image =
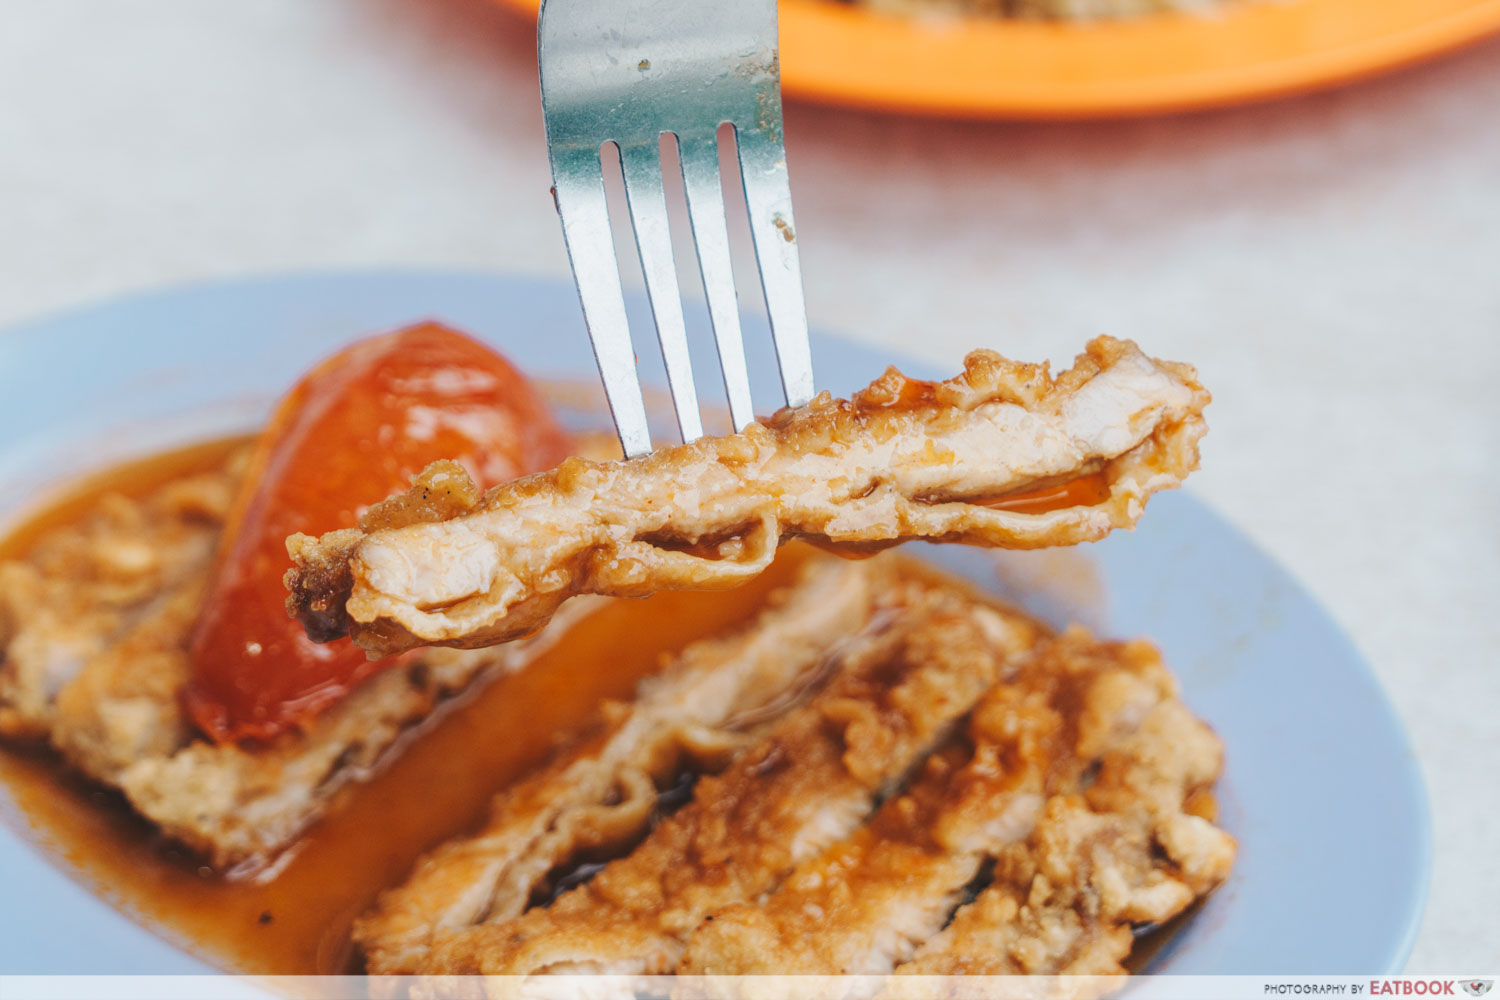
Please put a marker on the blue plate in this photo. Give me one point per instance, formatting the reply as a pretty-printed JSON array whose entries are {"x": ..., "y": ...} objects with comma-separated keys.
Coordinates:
[{"x": 1321, "y": 786}]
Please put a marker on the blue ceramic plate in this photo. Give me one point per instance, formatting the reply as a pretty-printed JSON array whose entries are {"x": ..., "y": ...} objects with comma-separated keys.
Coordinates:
[{"x": 1321, "y": 787}]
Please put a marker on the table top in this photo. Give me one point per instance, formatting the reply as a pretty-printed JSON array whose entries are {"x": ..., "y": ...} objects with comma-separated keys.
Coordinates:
[{"x": 1331, "y": 264}]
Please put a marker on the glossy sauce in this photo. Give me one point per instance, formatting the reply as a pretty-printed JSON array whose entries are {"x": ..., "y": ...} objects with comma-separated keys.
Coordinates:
[
  {"x": 1085, "y": 491},
  {"x": 439, "y": 785}
]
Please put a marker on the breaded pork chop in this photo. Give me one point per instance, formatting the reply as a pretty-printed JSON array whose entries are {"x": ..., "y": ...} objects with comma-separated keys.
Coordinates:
[
  {"x": 807, "y": 784},
  {"x": 1069, "y": 809},
  {"x": 901, "y": 460},
  {"x": 603, "y": 793}
]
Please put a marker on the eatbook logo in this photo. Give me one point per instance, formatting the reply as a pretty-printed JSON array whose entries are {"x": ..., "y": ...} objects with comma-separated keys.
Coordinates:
[{"x": 1477, "y": 987}]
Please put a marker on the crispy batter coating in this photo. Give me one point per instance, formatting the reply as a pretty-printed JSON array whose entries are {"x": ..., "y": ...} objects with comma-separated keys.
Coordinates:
[
  {"x": 902, "y": 459},
  {"x": 867, "y": 904},
  {"x": 602, "y": 793},
  {"x": 1110, "y": 852},
  {"x": 1064, "y": 814},
  {"x": 808, "y": 784}
]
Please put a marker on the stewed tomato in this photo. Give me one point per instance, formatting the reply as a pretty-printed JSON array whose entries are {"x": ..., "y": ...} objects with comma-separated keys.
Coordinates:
[{"x": 354, "y": 430}]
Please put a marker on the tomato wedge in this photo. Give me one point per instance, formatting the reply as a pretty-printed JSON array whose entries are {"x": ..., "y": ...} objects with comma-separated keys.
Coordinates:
[{"x": 355, "y": 429}]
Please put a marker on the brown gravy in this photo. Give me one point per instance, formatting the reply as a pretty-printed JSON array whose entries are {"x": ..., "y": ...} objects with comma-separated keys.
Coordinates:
[{"x": 439, "y": 786}]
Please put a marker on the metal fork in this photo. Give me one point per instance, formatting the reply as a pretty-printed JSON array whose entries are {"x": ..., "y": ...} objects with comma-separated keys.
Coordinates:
[{"x": 621, "y": 74}]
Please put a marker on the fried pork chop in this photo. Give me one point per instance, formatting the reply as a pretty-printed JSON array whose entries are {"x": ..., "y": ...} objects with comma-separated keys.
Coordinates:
[
  {"x": 808, "y": 783},
  {"x": 902, "y": 459},
  {"x": 1121, "y": 852},
  {"x": 602, "y": 794},
  {"x": 1078, "y": 862},
  {"x": 1068, "y": 809},
  {"x": 869, "y": 902}
]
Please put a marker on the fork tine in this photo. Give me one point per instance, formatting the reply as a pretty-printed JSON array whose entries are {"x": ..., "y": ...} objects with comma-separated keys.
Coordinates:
[
  {"x": 699, "y": 156},
  {"x": 653, "y": 240},
  {"x": 630, "y": 71},
  {"x": 579, "y": 190},
  {"x": 768, "y": 197}
]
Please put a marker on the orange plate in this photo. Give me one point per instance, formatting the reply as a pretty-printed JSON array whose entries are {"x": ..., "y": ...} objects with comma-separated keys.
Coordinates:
[{"x": 1249, "y": 50}]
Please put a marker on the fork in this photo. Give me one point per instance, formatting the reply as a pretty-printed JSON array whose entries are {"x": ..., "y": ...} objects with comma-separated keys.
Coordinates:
[{"x": 617, "y": 76}]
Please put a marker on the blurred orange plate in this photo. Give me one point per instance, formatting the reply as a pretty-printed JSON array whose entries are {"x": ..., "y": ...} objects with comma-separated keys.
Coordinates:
[{"x": 1247, "y": 50}]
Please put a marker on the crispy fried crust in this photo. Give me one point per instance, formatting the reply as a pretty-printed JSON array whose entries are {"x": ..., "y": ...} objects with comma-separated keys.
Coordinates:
[
  {"x": 602, "y": 793},
  {"x": 1066, "y": 812},
  {"x": 808, "y": 784},
  {"x": 1107, "y": 855},
  {"x": 869, "y": 903},
  {"x": 866, "y": 903},
  {"x": 901, "y": 460}
]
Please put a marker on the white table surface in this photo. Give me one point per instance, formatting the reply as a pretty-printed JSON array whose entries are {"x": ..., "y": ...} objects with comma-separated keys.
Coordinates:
[{"x": 1332, "y": 264}]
